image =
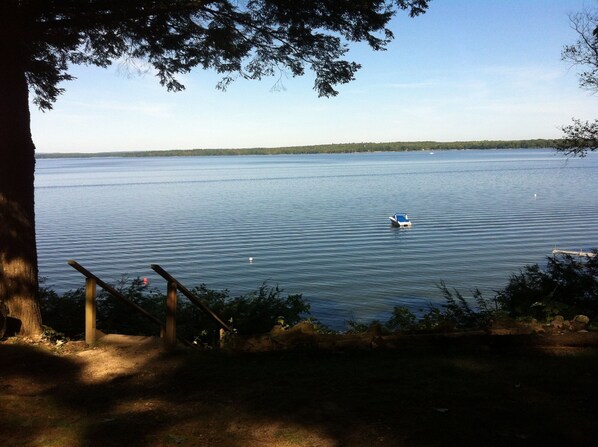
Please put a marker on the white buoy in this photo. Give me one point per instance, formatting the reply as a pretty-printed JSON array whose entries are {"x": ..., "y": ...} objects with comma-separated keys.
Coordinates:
[{"x": 250, "y": 259}]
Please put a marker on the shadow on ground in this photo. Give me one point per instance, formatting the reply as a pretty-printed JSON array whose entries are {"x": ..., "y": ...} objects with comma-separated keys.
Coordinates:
[{"x": 456, "y": 395}]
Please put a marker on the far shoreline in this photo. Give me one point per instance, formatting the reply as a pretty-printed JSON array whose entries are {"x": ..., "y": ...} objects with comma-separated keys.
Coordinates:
[{"x": 343, "y": 148}]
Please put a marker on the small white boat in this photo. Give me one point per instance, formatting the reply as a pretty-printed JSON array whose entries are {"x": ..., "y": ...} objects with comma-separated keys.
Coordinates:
[{"x": 400, "y": 220}]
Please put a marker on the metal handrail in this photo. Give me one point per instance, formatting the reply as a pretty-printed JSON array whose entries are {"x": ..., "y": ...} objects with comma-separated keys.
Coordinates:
[{"x": 198, "y": 302}]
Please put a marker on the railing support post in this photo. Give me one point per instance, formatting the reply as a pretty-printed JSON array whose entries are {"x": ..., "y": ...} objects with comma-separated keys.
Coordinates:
[
  {"x": 170, "y": 331},
  {"x": 221, "y": 336},
  {"x": 90, "y": 311}
]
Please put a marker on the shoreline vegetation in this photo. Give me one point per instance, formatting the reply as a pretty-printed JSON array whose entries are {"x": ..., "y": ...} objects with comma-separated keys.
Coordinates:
[
  {"x": 562, "y": 295},
  {"x": 343, "y": 148}
]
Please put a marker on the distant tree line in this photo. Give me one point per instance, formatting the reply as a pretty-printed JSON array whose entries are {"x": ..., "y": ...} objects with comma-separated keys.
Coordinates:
[{"x": 327, "y": 149}]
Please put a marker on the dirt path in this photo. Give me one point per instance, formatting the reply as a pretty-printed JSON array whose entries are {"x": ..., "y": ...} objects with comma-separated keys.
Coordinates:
[
  {"x": 127, "y": 392},
  {"x": 122, "y": 355}
]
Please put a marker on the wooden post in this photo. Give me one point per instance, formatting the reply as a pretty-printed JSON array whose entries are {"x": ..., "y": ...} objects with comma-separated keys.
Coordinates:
[
  {"x": 170, "y": 331},
  {"x": 221, "y": 334},
  {"x": 90, "y": 311}
]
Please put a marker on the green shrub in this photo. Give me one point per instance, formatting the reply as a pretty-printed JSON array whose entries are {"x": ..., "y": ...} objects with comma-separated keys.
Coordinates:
[
  {"x": 476, "y": 313},
  {"x": 258, "y": 311},
  {"x": 65, "y": 313},
  {"x": 566, "y": 287},
  {"x": 402, "y": 319},
  {"x": 116, "y": 317},
  {"x": 253, "y": 313},
  {"x": 357, "y": 327}
]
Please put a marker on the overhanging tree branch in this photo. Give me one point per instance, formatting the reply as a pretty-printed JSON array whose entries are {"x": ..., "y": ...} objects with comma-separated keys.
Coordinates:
[
  {"x": 41, "y": 39},
  {"x": 582, "y": 136}
]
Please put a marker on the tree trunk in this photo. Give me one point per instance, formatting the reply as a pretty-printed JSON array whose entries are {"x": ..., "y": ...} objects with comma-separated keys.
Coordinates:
[{"x": 18, "y": 252}]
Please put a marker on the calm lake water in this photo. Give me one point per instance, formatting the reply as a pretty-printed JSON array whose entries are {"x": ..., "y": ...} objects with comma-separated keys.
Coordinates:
[{"x": 317, "y": 224}]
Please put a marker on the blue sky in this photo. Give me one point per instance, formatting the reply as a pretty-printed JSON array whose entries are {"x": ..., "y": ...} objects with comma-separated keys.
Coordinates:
[{"x": 466, "y": 70}]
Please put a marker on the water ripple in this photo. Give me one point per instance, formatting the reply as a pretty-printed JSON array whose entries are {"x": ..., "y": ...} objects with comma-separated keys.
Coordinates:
[{"x": 317, "y": 226}]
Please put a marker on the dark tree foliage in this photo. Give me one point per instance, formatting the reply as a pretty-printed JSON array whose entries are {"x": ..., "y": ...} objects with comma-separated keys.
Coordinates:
[
  {"x": 581, "y": 137},
  {"x": 584, "y": 52},
  {"x": 251, "y": 39},
  {"x": 41, "y": 39}
]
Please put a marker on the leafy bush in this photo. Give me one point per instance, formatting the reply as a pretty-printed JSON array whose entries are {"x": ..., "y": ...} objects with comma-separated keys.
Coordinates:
[
  {"x": 566, "y": 287},
  {"x": 358, "y": 327},
  {"x": 65, "y": 313},
  {"x": 115, "y": 316},
  {"x": 464, "y": 315},
  {"x": 253, "y": 313},
  {"x": 457, "y": 312},
  {"x": 258, "y": 311},
  {"x": 402, "y": 319}
]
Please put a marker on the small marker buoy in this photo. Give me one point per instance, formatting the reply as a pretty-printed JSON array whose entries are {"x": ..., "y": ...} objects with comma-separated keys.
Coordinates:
[
  {"x": 145, "y": 281},
  {"x": 250, "y": 259}
]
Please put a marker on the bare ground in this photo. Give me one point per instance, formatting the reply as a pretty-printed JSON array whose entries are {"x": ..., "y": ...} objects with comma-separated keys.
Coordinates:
[{"x": 128, "y": 392}]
